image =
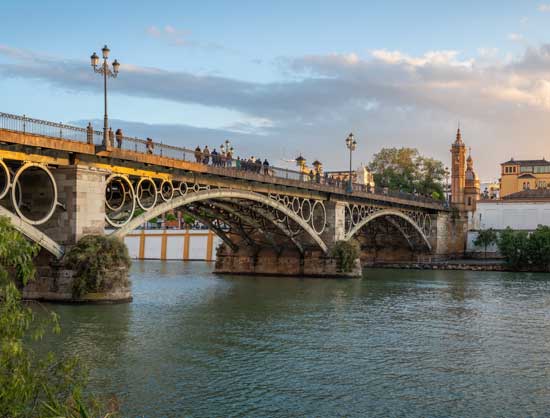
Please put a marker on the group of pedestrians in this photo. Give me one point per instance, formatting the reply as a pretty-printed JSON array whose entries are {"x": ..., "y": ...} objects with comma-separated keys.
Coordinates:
[
  {"x": 225, "y": 159},
  {"x": 219, "y": 159}
]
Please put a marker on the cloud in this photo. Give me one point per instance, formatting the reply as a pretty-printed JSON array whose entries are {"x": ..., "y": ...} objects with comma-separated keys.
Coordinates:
[
  {"x": 181, "y": 37},
  {"x": 388, "y": 98},
  {"x": 524, "y": 20},
  {"x": 153, "y": 31},
  {"x": 544, "y": 8},
  {"x": 515, "y": 37}
]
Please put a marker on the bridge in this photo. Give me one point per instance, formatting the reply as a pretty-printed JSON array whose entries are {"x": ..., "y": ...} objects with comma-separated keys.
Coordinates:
[{"x": 60, "y": 182}]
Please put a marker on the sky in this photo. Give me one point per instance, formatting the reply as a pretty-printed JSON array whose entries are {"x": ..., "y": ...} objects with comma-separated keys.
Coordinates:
[{"x": 283, "y": 78}]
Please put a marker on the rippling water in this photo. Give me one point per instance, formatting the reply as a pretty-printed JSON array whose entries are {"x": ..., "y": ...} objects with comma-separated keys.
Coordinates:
[{"x": 398, "y": 342}]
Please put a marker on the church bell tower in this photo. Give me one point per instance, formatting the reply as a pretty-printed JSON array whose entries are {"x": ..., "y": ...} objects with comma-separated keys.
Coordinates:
[{"x": 458, "y": 172}]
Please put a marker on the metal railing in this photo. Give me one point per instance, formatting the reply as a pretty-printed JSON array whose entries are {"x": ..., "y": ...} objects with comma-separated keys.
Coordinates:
[
  {"x": 228, "y": 166},
  {"x": 45, "y": 128}
]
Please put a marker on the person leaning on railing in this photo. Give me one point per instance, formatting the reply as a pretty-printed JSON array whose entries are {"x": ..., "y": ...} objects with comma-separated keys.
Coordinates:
[
  {"x": 198, "y": 154},
  {"x": 150, "y": 146},
  {"x": 89, "y": 133},
  {"x": 118, "y": 136},
  {"x": 206, "y": 155}
]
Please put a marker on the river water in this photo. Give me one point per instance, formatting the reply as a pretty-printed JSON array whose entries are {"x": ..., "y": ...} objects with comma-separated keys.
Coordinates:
[{"x": 396, "y": 343}]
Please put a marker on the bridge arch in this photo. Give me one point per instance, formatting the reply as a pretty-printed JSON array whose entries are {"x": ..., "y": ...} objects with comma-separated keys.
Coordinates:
[
  {"x": 226, "y": 194},
  {"x": 389, "y": 212},
  {"x": 33, "y": 233}
]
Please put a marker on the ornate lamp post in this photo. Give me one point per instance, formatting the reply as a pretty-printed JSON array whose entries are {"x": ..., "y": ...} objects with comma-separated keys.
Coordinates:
[
  {"x": 351, "y": 144},
  {"x": 447, "y": 173},
  {"x": 106, "y": 72}
]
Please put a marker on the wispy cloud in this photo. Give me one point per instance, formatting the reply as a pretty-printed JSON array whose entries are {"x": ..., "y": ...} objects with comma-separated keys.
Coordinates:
[
  {"x": 524, "y": 20},
  {"x": 179, "y": 37},
  {"x": 544, "y": 7},
  {"x": 515, "y": 37}
]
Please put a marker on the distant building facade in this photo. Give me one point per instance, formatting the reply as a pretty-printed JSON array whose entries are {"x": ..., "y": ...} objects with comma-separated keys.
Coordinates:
[{"x": 519, "y": 175}]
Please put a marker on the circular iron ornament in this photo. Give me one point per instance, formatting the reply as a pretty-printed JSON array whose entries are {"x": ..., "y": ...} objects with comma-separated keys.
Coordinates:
[
  {"x": 280, "y": 216},
  {"x": 166, "y": 190},
  {"x": 355, "y": 215},
  {"x": 427, "y": 225},
  {"x": 126, "y": 194},
  {"x": 196, "y": 187},
  {"x": 347, "y": 219},
  {"x": 363, "y": 212},
  {"x": 7, "y": 178},
  {"x": 183, "y": 188},
  {"x": 116, "y": 191},
  {"x": 296, "y": 206},
  {"x": 319, "y": 216},
  {"x": 305, "y": 210},
  {"x": 16, "y": 200},
  {"x": 286, "y": 201},
  {"x": 146, "y": 188}
]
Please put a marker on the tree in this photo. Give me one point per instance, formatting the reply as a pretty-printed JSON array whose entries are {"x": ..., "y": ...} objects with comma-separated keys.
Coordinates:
[
  {"x": 485, "y": 238},
  {"x": 32, "y": 386},
  {"x": 513, "y": 246},
  {"x": 406, "y": 170},
  {"x": 346, "y": 253},
  {"x": 538, "y": 248}
]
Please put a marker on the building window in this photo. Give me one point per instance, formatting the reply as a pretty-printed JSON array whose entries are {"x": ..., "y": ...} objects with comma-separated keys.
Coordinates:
[
  {"x": 526, "y": 169},
  {"x": 469, "y": 201}
]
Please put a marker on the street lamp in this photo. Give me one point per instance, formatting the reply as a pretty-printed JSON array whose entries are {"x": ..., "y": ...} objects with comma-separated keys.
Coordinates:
[
  {"x": 447, "y": 184},
  {"x": 351, "y": 143},
  {"x": 106, "y": 72}
]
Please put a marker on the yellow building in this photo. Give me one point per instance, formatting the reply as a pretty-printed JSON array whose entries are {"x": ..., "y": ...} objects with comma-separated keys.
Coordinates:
[{"x": 518, "y": 175}]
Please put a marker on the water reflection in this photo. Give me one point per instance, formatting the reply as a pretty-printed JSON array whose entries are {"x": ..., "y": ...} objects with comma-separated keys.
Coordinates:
[{"x": 415, "y": 343}]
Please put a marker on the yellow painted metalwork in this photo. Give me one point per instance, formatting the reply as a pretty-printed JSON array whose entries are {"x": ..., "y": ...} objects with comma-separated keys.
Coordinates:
[
  {"x": 33, "y": 158},
  {"x": 119, "y": 169}
]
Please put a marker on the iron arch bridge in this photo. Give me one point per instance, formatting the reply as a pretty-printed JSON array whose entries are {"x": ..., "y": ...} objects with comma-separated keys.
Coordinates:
[{"x": 57, "y": 188}]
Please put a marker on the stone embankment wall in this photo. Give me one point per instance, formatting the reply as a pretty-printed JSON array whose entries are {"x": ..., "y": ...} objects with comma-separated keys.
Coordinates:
[
  {"x": 287, "y": 263},
  {"x": 454, "y": 265}
]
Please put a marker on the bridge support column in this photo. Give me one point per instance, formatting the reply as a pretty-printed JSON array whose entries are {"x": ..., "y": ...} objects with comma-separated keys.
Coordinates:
[
  {"x": 312, "y": 262},
  {"x": 81, "y": 192},
  {"x": 81, "y": 195}
]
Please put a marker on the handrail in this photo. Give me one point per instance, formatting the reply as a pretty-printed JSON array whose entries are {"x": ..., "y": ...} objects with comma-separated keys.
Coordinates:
[{"x": 63, "y": 131}]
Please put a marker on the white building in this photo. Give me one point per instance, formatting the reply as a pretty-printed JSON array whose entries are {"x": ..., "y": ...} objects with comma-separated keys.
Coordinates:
[{"x": 524, "y": 210}]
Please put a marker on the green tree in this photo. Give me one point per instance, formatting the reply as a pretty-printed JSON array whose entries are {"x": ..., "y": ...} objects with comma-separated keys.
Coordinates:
[
  {"x": 346, "y": 253},
  {"x": 539, "y": 248},
  {"x": 485, "y": 238},
  {"x": 91, "y": 271},
  {"x": 31, "y": 385},
  {"x": 406, "y": 170},
  {"x": 514, "y": 247},
  {"x": 188, "y": 219}
]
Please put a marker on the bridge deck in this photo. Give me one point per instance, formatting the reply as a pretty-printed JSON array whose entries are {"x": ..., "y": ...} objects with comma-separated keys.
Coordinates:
[{"x": 19, "y": 134}]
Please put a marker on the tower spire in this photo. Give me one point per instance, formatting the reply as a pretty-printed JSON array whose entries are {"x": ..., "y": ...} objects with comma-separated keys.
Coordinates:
[{"x": 458, "y": 135}]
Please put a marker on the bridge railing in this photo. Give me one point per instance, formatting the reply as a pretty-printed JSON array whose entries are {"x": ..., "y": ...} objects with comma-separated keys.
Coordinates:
[
  {"x": 40, "y": 127},
  {"x": 231, "y": 166}
]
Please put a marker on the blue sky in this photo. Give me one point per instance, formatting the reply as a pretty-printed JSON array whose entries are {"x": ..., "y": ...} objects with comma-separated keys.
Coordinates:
[{"x": 285, "y": 77}]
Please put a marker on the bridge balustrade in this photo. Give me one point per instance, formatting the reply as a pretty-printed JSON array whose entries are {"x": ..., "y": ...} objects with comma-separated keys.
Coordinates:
[{"x": 55, "y": 130}]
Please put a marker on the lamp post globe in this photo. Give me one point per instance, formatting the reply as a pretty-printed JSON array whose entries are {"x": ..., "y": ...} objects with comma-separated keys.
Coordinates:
[
  {"x": 106, "y": 72},
  {"x": 351, "y": 144}
]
